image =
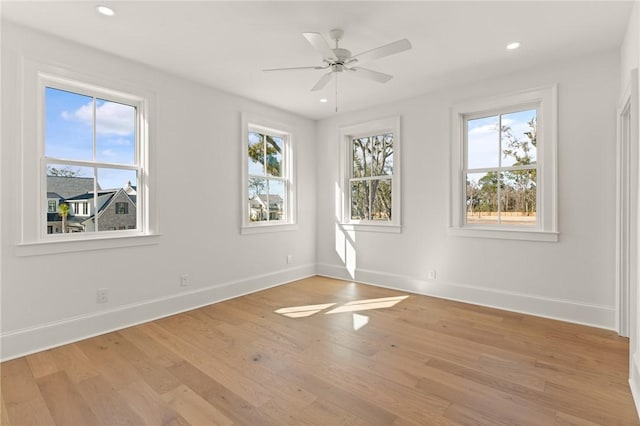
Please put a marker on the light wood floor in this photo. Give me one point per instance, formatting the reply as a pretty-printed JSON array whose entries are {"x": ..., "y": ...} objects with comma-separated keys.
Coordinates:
[{"x": 271, "y": 358}]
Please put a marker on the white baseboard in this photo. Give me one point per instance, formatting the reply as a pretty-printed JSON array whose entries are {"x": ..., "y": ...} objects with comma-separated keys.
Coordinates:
[
  {"x": 22, "y": 342},
  {"x": 565, "y": 310}
]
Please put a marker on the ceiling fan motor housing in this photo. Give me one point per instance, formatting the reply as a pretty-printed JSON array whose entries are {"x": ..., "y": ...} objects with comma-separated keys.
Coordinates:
[{"x": 343, "y": 55}]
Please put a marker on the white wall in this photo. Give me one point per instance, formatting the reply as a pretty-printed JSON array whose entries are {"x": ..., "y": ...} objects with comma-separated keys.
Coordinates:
[
  {"x": 571, "y": 280},
  {"x": 197, "y": 148}
]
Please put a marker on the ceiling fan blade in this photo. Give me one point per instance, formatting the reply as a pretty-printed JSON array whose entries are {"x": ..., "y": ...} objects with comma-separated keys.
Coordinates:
[
  {"x": 372, "y": 75},
  {"x": 324, "y": 80},
  {"x": 381, "y": 52},
  {"x": 320, "y": 44},
  {"x": 297, "y": 68}
]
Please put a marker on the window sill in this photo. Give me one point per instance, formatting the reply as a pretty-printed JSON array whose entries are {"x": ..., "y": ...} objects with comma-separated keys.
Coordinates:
[
  {"x": 264, "y": 228},
  {"x": 366, "y": 227},
  {"x": 505, "y": 234},
  {"x": 96, "y": 243}
]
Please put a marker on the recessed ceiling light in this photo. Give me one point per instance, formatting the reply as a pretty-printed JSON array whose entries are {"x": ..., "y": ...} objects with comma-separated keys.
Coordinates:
[
  {"x": 106, "y": 11},
  {"x": 512, "y": 46},
  {"x": 324, "y": 100}
]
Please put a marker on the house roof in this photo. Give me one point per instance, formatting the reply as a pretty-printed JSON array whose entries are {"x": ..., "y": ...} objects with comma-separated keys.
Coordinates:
[
  {"x": 69, "y": 186},
  {"x": 89, "y": 195},
  {"x": 53, "y": 195},
  {"x": 273, "y": 198}
]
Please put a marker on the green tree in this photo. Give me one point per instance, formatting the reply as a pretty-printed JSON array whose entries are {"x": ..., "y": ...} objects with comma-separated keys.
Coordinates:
[
  {"x": 273, "y": 149},
  {"x": 521, "y": 189},
  {"x": 65, "y": 171}
]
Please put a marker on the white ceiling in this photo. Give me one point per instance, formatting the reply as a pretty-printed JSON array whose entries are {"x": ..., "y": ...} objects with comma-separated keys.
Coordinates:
[{"x": 227, "y": 44}]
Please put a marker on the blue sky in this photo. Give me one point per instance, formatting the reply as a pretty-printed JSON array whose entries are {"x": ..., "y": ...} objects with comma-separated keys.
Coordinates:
[
  {"x": 484, "y": 146},
  {"x": 69, "y": 134}
]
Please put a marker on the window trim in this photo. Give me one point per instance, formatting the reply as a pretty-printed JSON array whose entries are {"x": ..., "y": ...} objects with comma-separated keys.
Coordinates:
[
  {"x": 545, "y": 99},
  {"x": 370, "y": 128},
  {"x": 253, "y": 122},
  {"x": 29, "y": 238}
]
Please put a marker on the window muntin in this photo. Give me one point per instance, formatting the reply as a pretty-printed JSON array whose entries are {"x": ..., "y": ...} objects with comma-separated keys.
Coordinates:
[
  {"x": 501, "y": 169},
  {"x": 92, "y": 146},
  {"x": 371, "y": 177},
  {"x": 268, "y": 182}
]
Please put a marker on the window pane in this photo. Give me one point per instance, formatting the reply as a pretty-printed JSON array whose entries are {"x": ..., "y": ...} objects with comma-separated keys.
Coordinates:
[
  {"x": 276, "y": 200},
  {"x": 519, "y": 138},
  {"x": 483, "y": 142},
  {"x": 257, "y": 191},
  {"x": 360, "y": 200},
  {"x": 117, "y": 199},
  {"x": 482, "y": 198},
  {"x": 256, "y": 153},
  {"x": 361, "y": 157},
  {"x": 274, "y": 145},
  {"x": 381, "y": 199},
  {"x": 68, "y": 191},
  {"x": 115, "y": 132},
  {"x": 68, "y": 125},
  {"x": 518, "y": 198},
  {"x": 382, "y": 155}
]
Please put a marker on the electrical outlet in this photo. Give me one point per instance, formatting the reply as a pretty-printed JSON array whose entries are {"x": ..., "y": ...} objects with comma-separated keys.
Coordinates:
[
  {"x": 289, "y": 259},
  {"x": 431, "y": 274},
  {"x": 184, "y": 280},
  {"x": 103, "y": 295}
]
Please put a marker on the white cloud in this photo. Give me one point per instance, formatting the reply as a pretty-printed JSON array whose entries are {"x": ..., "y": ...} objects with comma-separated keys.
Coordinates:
[
  {"x": 109, "y": 153},
  {"x": 111, "y": 118}
]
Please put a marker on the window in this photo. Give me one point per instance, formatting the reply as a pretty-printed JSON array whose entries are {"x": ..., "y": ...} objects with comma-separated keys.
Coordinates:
[
  {"x": 52, "y": 207},
  {"x": 504, "y": 167},
  {"x": 268, "y": 182},
  {"x": 372, "y": 178},
  {"x": 122, "y": 208},
  {"x": 92, "y": 150}
]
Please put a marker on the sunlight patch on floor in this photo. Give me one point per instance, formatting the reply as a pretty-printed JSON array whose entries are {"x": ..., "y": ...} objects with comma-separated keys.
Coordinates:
[
  {"x": 359, "y": 321},
  {"x": 303, "y": 311}
]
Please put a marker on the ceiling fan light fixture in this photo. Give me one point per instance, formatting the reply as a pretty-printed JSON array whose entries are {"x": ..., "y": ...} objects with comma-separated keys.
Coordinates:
[{"x": 513, "y": 46}]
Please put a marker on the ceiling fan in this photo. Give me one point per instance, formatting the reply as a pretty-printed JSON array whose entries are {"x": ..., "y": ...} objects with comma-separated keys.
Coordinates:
[{"x": 338, "y": 60}]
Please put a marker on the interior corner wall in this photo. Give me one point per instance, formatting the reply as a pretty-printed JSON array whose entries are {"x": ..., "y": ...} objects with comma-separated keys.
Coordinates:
[
  {"x": 571, "y": 280},
  {"x": 48, "y": 300}
]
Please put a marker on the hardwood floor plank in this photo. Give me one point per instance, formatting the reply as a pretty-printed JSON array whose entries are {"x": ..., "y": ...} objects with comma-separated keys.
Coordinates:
[
  {"x": 42, "y": 364},
  {"x": 21, "y": 396},
  {"x": 193, "y": 408},
  {"x": 66, "y": 404},
  {"x": 108, "y": 406},
  {"x": 321, "y": 351},
  {"x": 149, "y": 406},
  {"x": 222, "y": 398}
]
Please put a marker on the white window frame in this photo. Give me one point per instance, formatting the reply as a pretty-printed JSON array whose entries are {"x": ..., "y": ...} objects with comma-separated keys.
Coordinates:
[
  {"x": 545, "y": 101},
  {"x": 32, "y": 238},
  {"x": 371, "y": 128},
  {"x": 256, "y": 123}
]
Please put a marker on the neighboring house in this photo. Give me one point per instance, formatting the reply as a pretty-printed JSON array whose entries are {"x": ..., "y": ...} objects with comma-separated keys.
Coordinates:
[
  {"x": 114, "y": 208},
  {"x": 116, "y": 211},
  {"x": 258, "y": 207}
]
